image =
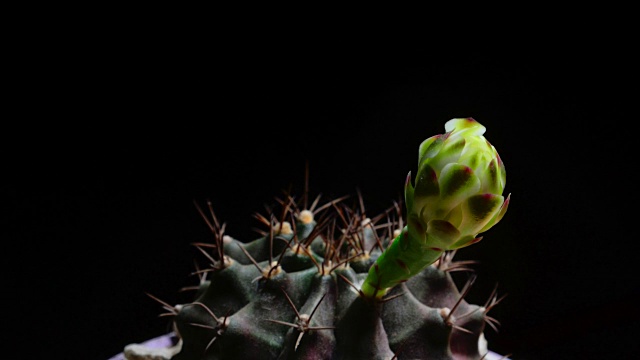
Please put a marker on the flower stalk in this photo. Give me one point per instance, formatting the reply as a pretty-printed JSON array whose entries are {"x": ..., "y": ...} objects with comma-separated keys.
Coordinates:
[{"x": 457, "y": 196}]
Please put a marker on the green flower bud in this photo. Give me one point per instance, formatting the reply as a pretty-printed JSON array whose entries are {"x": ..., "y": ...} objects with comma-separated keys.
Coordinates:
[
  {"x": 457, "y": 195},
  {"x": 458, "y": 189}
]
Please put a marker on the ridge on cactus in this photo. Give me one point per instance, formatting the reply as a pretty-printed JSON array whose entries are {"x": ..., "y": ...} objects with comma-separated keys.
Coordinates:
[{"x": 326, "y": 281}]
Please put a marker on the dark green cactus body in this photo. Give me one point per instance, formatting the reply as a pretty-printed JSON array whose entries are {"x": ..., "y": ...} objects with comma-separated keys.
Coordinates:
[{"x": 298, "y": 303}]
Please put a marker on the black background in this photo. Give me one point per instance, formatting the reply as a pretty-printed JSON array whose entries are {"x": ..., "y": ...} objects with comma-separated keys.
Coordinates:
[{"x": 100, "y": 189}]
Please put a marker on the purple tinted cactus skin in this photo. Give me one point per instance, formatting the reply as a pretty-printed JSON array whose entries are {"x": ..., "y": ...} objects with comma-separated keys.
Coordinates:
[{"x": 316, "y": 284}]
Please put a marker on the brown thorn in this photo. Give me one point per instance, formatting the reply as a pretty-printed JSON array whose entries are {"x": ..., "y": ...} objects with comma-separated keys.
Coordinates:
[
  {"x": 282, "y": 323},
  {"x": 504, "y": 357},
  {"x": 494, "y": 327},
  {"x": 205, "y": 254},
  {"x": 343, "y": 238},
  {"x": 460, "y": 328},
  {"x": 491, "y": 297},
  {"x": 378, "y": 241},
  {"x": 352, "y": 285},
  {"x": 260, "y": 231},
  {"x": 340, "y": 213},
  {"x": 378, "y": 217},
  {"x": 294, "y": 206},
  {"x": 207, "y": 245},
  {"x": 343, "y": 262},
  {"x": 458, "y": 317},
  {"x": 316, "y": 307},
  {"x": 331, "y": 203},
  {"x": 464, "y": 293},
  {"x": 294, "y": 227},
  {"x": 203, "y": 275},
  {"x": 321, "y": 327},
  {"x": 280, "y": 201},
  {"x": 203, "y": 326},
  {"x": 305, "y": 196},
  {"x": 290, "y": 302},
  {"x": 261, "y": 218},
  {"x": 393, "y": 297},
  {"x": 361, "y": 201},
  {"x": 206, "y": 309},
  {"x": 213, "y": 215},
  {"x": 460, "y": 268},
  {"x": 206, "y": 220},
  {"x": 321, "y": 225},
  {"x": 330, "y": 250},
  {"x": 189, "y": 288},
  {"x": 271, "y": 239},
  {"x": 250, "y": 257},
  {"x": 284, "y": 250},
  {"x": 311, "y": 257},
  {"x": 395, "y": 354},
  {"x": 285, "y": 210},
  {"x": 315, "y": 203},
  {"x": 166, "y": 305},
  {"x": 200, "y": 272},
  {"x": 492, "y": 320},
  {"x": 210, "y": 342},
  {"x": 220, "y": 240},
  {"x": 495, "y": 302}
]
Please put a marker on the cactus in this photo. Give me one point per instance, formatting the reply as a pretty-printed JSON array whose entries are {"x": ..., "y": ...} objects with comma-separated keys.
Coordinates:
[{"x": 328, "y": 282}]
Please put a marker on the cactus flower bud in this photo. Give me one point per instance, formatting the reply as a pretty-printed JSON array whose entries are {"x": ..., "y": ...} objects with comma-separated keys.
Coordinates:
[{"x": 457, "y": 195}]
